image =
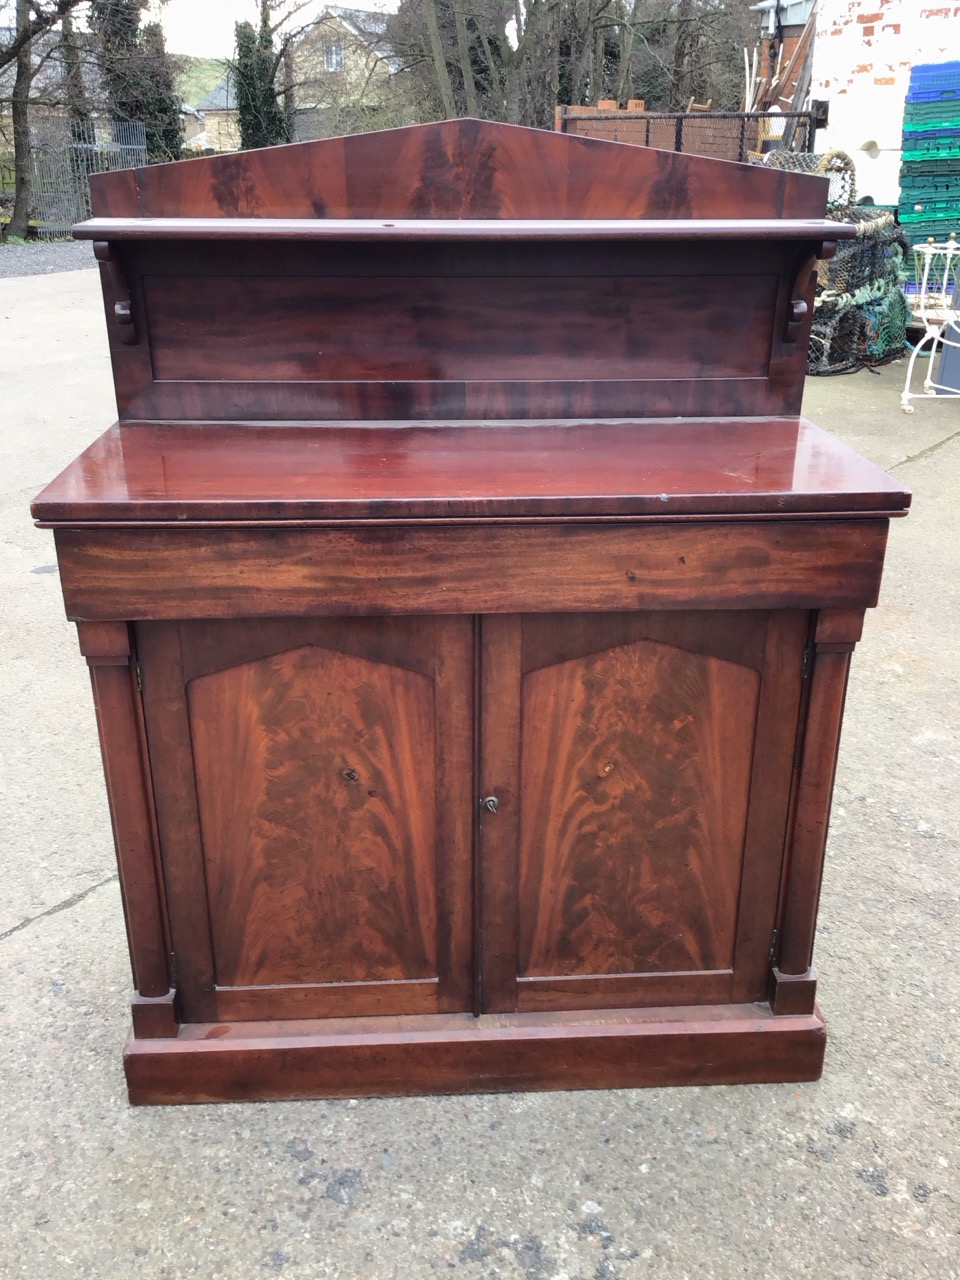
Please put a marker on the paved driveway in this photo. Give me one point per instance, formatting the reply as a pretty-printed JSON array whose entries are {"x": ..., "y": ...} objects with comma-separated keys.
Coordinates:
[{"x": 854, "y": 1176}]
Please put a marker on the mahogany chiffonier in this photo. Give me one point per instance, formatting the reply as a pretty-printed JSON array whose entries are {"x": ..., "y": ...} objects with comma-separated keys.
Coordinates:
[{"x": 469, "y": 612}]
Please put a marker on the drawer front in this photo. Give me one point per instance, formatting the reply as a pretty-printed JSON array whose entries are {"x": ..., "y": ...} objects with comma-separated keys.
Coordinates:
[{"x": 258, "y": 571}]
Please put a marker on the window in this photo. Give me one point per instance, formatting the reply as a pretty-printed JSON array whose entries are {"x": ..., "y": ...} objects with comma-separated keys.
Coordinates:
[{"x": 333, "y": 55}]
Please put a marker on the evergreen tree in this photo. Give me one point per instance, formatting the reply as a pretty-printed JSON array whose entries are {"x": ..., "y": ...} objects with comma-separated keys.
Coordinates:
[
  {"x": 161, "y": 102},
  {"x": 138, "y": 73},
  {"x": 263, "y": 122}
]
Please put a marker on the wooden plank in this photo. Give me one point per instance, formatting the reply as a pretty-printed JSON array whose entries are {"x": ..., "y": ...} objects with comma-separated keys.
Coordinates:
[
  {"x": 836, "y": 636},
  {"x": 623, "y": 990},
  {"x": 333, "y": 329},
  {"x": 765, "y": 837},
  {"x": 115, "y": 195},
  {"x": 436, "y": 400},
  {"x": 319, "y": 827}
]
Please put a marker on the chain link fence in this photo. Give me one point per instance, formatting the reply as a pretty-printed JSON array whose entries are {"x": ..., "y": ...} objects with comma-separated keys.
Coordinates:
[{"x": 65, "y": 153}]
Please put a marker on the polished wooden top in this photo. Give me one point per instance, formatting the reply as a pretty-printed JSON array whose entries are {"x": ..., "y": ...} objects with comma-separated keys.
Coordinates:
[{"x": 659, "y": 469}]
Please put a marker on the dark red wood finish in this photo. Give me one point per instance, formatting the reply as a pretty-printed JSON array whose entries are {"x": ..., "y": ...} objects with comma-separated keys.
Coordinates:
[
  {"x": 458, "y": 169},
  {"x": 458, "y": 328},
  {"x": 747, "y": 468},
  {"x": 324, "y": 769},
  {"x": 469, "y": 613},
  {"x": 646, "y": 740},
  {"x": 266, "y": 570},
  {"x": 483, "y": 272},
  {"x": 720, "y": 1044}
]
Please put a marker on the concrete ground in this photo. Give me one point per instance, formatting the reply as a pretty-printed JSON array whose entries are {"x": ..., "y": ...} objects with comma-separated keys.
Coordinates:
[{"x": 857, "y": 1175}]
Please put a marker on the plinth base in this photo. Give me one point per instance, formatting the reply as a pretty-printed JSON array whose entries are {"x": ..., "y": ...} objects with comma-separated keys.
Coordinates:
[{"x": 457, "y": 1053}]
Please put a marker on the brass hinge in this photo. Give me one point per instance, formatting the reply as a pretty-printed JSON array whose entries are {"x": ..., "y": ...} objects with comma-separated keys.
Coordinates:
[
  {"x": 807, "y": 662},
  {"x": 174, "y": 969},
  {"x": 774, "y": 939},
  {"x": 140, "y": 677}
]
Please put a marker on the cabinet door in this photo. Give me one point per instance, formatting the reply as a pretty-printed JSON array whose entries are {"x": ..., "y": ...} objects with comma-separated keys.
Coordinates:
[
  {"x": 642, "y": 765},
  {"x": 314, "y": 793}
]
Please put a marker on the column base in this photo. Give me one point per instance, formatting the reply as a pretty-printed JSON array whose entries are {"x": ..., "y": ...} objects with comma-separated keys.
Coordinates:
[{"x": 793, "y": 993}]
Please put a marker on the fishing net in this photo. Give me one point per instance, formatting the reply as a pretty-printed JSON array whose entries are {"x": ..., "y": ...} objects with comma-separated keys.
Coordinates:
[{"x": 860, "y": 312}]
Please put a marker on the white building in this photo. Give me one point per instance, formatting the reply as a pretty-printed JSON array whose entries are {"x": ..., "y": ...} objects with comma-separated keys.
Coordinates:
[{"x": 861, "y": 64}]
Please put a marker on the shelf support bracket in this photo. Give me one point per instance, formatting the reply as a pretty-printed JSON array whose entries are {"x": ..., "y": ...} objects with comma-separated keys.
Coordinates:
[{"x": 119, "y": 287}]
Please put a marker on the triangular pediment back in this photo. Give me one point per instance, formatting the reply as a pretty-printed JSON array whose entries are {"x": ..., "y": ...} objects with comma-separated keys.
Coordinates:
[{"x": 458, "y": 169}]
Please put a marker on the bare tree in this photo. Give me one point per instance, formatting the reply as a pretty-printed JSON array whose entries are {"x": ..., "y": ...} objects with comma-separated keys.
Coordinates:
[
  {"x": 28, "y": 47},
  {"x": 39, "y": 18},
  {"x": 517, "y": 59},
  {"x": 19, "y": 110}
]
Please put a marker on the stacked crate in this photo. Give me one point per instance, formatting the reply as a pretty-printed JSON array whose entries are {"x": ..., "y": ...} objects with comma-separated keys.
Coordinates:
[{"x": 930, "y": 172}]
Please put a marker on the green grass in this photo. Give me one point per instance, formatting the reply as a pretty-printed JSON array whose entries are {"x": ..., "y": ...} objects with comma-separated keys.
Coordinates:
[{"x": 198, "y": 78}]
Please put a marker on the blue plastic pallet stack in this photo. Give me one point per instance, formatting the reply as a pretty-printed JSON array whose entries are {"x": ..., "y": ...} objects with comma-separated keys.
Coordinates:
[{"x": 930, "y": 170}]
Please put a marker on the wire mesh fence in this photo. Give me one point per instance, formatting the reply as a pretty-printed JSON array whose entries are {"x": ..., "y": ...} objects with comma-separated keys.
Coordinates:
[
  {"x": 65, "y": 153},
  {"x": 725, "y": 135},
  {"x": 8, "y": 175}
]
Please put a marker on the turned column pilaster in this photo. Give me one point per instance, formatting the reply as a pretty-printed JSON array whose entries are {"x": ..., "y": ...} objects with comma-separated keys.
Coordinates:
[
  {"x": 794, "y": 980},
  {"x": 113, "y": 672}
]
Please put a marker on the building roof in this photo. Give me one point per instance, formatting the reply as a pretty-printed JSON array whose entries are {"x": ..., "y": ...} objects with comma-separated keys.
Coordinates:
[
  {"x": 366, "y": 23},
  {"x": 222, "y": 98}
]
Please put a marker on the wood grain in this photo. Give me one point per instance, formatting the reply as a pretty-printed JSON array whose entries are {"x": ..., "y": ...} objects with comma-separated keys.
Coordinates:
[
  {"x": 768, "y": 646},
  {"x": 319, "y": 836},
  {"x": 442, "y": 473},
  {"x": 483, "y": 328},
  {"x": 636, "y": 769},
  {"x": 811, "y": 818},
  {"x": 284, "y": 330},
  {"x": 235, "y": 400},
  {"x": 470, "y": 334},
  {"x": 167, "y": 727},
  {"x": 459, "y": 169},
  {"x": 499, "y": 748},
  {"x": 315, "y": 330},
  {"x": 334, "y": 870},
  {"x": 451, "y": 569}
]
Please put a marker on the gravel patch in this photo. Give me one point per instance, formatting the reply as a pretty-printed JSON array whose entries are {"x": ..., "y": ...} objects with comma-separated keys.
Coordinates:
[{"x": 44, "y": 257}]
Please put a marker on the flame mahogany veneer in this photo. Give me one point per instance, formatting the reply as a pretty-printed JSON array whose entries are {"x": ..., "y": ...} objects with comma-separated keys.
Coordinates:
[{"x": 469, "y": 611}]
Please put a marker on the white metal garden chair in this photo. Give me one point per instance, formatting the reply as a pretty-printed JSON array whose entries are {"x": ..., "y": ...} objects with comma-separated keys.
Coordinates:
[{"x": 937, "y": 307}]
